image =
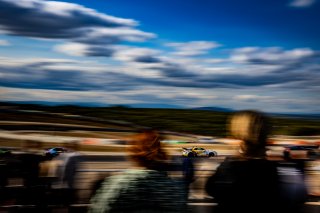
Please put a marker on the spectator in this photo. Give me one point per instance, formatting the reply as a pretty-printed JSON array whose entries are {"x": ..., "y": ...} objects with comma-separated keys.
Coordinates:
[
  {"x": 188, "y": 173},
  {"x": 249, "y": 182},
  {"x": 144, "y": 188},
  {"x": 63, "y": 170},
  {"x": 30, "y": 162}
]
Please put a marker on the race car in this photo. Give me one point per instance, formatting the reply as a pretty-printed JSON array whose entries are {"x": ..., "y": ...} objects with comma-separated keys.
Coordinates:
[
  {"x": 301, "y": 151},
  {"x": 55, "y": 151},
  {"x": 198, "y": 152}
]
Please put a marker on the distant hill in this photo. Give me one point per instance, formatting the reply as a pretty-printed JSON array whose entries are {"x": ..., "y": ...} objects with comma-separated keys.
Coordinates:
[
  {"x": 216, "y": 109},
  {"x": 95, "y": 104},
  {"x": 23, "y": 104},
  {"x": 297, "y": 116},
  {"x": 155, "y": 106},
  {"x": 50, "y": 103}
]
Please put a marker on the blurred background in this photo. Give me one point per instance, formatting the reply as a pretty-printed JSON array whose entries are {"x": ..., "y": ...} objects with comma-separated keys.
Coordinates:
[{"x": 79, "y": 79}]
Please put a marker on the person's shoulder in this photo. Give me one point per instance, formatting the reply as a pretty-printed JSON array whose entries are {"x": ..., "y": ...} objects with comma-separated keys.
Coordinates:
[
  {"x": 232, "y": 160},
  {"x": 120, "y": 180},
  {"x": 136, "y": 175},
  {"x": 238, "y": 162}
]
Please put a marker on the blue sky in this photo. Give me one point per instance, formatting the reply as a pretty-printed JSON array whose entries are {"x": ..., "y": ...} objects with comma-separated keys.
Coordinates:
[{"x": 240, "y": 54}]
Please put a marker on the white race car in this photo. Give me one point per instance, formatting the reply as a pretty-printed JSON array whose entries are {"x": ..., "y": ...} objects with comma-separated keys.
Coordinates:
[{"x": 198, "y": 152}]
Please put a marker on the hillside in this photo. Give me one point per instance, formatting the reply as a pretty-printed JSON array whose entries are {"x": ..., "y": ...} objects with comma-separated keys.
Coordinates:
[{"x": 192, "y": 121}]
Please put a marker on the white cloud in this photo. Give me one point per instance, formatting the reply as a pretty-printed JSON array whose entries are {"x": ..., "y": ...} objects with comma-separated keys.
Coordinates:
[
  {"x": 74, "y": 49},
  {"x": 192, "y": 48},
  {"x": 17, "y": 94},
  {"x": 154, "y": 94},
  {"x": 122, "y": 33},
  {"x": 214, "y": 60},
  {"x": 4, "y": 43},
  {"x": 68, "y": 22},
  {"x": 126, "y": 53},
  {"x": 67, "y": 9},
  {"x": 269, "y": 54},
  {"x": 251, "y": 97},
  {"x": 302, "y": 3},
  {"x": 247, "y": 76},
  {"x": 23, "y": 3},
  {"x": 17, "y": 62},
  {"x": 145, "y": 75}
]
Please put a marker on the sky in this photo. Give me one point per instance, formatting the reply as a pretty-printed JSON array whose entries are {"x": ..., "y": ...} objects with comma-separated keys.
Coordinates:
[{"x": 238, "y": 54}]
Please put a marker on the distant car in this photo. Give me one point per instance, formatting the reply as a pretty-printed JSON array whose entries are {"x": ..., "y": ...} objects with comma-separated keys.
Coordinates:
[
  {"x": 55, "y": 151},
  {"x": 300, "y": 151},
  {"x": 198, "y": 152}
]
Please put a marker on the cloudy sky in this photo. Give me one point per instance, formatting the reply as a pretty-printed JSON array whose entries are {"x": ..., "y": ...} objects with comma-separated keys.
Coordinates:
[{"x": 240, "y": 54}]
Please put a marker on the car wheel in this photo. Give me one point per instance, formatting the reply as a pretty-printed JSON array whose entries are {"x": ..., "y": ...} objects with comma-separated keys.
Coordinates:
[
  {"x": 190, "y": 154},
  {"x": 211, "y": 154}
]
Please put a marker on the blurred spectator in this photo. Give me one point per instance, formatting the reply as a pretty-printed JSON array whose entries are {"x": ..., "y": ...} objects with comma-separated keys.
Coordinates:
[
  {"x": 30, "y": 162},
  {"x": 249, "y": 182},
  {"x": 62, "y": 171},
  {"x": 144, "y": 188},
  {"x": 5, "y": 156},
  {"x": 188, "y": 172}
]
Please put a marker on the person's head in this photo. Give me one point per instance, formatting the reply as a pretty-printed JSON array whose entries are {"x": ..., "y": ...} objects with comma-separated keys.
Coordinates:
[
  {"x": 252, "y": 127},
  {"x": 146, "y": 151}
]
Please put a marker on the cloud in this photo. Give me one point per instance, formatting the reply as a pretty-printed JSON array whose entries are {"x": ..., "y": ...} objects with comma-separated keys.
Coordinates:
[
  {"x": 251, "y": 98},
  {"x": 247, "y": 67},
  {"x": 155, "y": 94},
  {"x": 4, "y": 43},
  {"x": 248, "y": 75},
  {"x": 66, "y": 21},
  {"x": 78, "y": 49},
  {"x": 70, "y": 75},
  {"x": 255, "y": 67},
  {"x": 302, "y": 3},
  {"x": 134, "y": 74},
  {"x": 192, "y": 48},
  {"x": 269, "y": 55},
  {"x": 118, "y": 52},
  {"x": 135, "y": 54},
  {"x": 84, "y": 31},
  {"x": 18, "y": 94},
  {"x": 74, "y": 49}
]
